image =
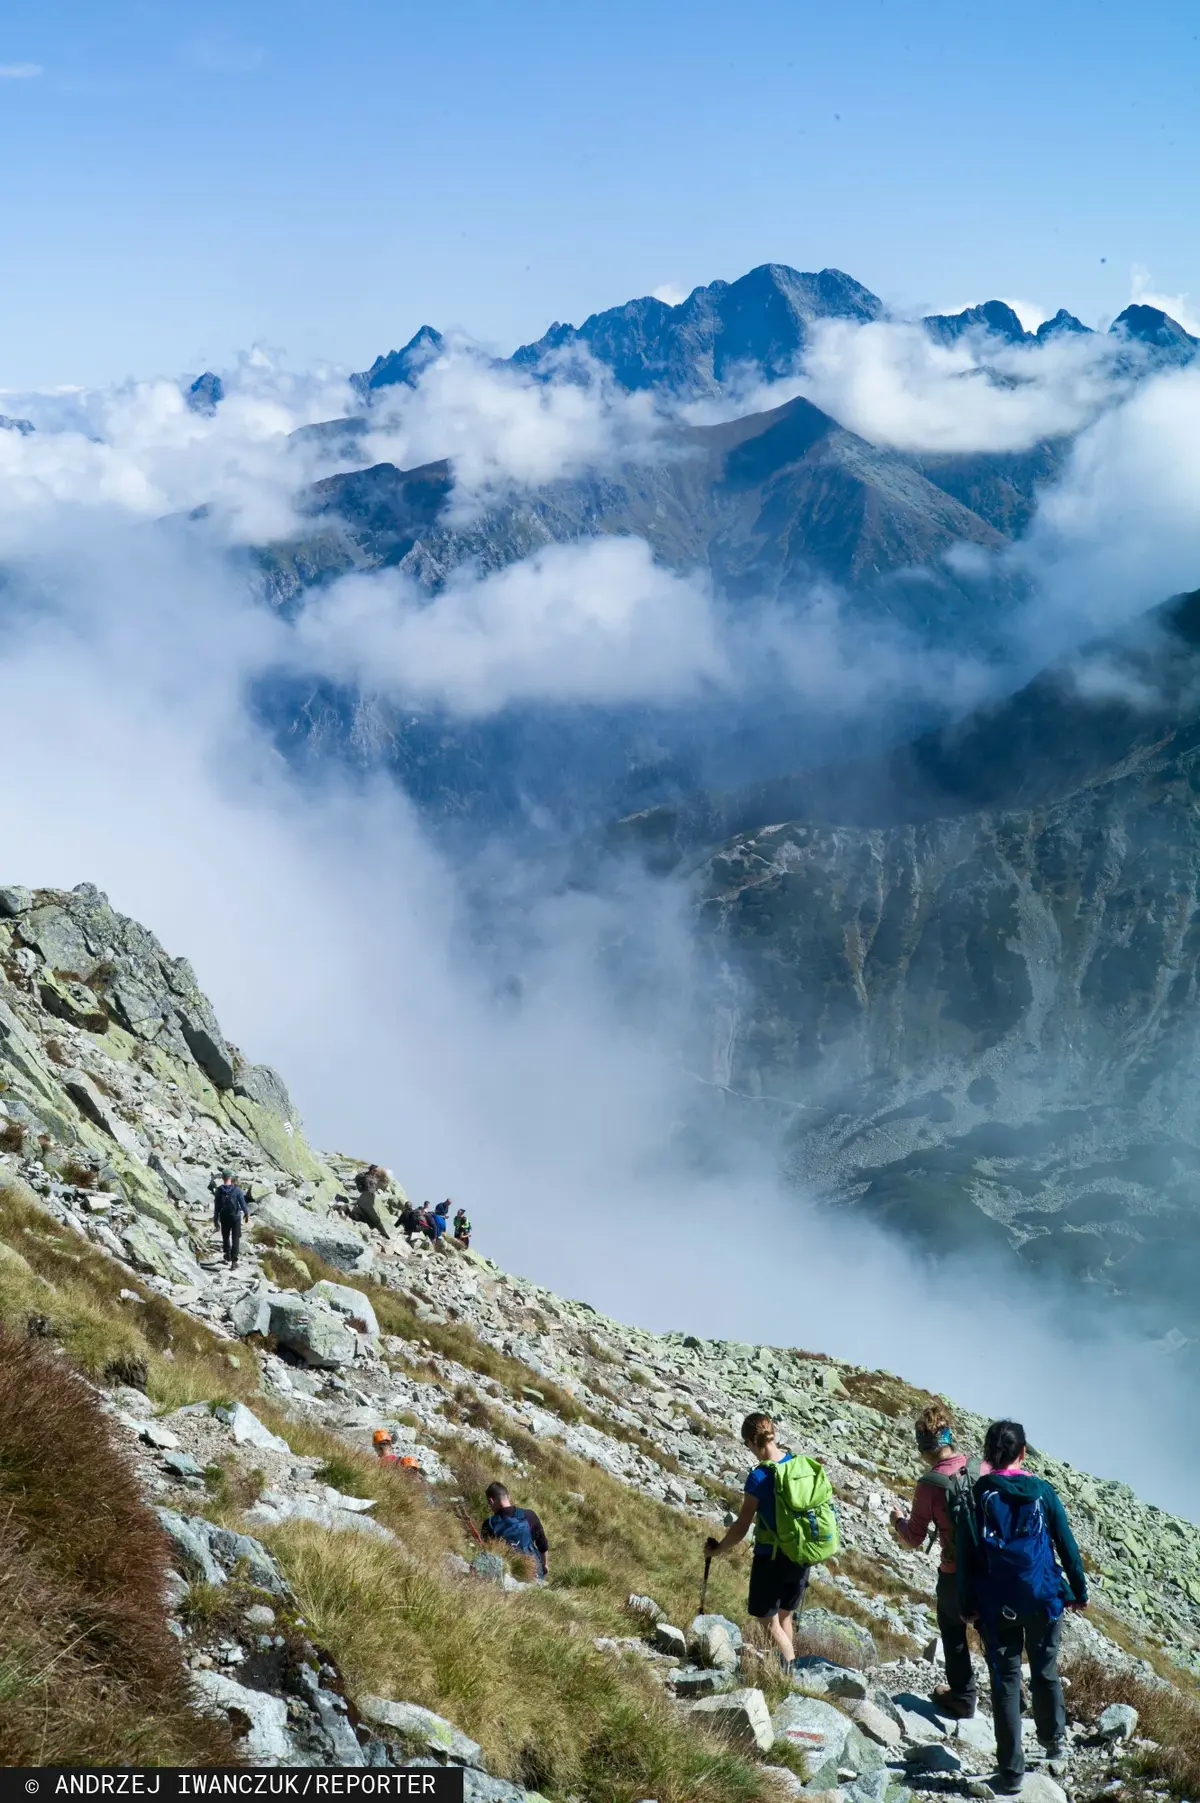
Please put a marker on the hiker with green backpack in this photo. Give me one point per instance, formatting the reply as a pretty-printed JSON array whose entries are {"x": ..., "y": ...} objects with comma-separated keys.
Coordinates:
[
  {"x": 943, "y": 1501},
  {"x": 789, "y": 1501}
]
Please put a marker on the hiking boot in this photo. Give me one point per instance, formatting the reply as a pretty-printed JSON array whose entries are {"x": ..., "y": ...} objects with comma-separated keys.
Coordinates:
[
  {"x": 960, "y": 1709},
  {"x": 1005, "y": 1784},
  {"x": 1056, "y": 1759}
]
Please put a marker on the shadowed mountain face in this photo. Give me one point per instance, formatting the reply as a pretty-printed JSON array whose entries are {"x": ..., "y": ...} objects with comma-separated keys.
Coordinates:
[{"x": 965, "y": 979}]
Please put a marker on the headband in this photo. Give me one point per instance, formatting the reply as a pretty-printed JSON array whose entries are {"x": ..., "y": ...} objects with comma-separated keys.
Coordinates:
[{"x": 927, "y": 1442}]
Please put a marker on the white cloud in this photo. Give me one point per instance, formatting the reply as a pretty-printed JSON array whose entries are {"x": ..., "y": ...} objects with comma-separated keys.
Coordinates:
[
  {"x": 1143, "y": 293},
  {"x": 596, "y": 623},
  {"x": 670, "y": 292},
  {"x": 20, "y": 71},
  {"x": 1028, "y": 312}
]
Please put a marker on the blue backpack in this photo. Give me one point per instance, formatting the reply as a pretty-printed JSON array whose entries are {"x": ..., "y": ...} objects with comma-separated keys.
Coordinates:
[
  {"x": 1018, "y": 1570},
  {"x": 514, "y": 1530}
]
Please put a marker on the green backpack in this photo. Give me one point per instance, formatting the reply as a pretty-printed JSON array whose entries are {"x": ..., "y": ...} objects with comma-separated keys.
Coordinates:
[{"x": 806, "y": 1523}]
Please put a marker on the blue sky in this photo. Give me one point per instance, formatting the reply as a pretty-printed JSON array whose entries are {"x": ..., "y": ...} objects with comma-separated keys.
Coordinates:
[{"x": 184, "y": 181}]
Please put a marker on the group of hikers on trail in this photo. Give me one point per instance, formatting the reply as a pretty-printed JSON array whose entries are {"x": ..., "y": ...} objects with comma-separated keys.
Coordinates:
[
  {"x": 432, "y": 1223},
  {"x": 1008, "y": 1566},
  {"x": 231, "y": 1208}
]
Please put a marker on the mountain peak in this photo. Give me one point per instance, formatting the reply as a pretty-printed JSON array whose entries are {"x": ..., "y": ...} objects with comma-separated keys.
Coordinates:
[
  {"x": 206, "y": 393},
  {"x": 1151, "y": 326},
  {"x": 758, "y": 322},
  {"x": 1063, "y": 325},
  {"x": 403, "y": 366},
  {"x": 993, "y": 316}
]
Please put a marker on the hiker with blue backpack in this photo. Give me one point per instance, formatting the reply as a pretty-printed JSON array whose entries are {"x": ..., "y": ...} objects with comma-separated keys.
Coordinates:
[
  {"x": 943, "y": 1501},
  {"x": 1019, "y": 1569},
  {"x": 519, "y": 1528},
  {"x": 789, "y": 1501}
]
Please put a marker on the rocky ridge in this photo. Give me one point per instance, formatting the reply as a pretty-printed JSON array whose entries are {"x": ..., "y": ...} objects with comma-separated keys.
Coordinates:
[{"x": 120, "y": 1096}]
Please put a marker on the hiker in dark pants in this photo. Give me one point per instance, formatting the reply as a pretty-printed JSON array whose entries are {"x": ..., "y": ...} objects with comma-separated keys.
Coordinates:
[
  {"x": 229, "y": 1211},
  {"x": 1020, "y": 1570},
  {"x": 519, "y": 1528},
  {"x": 798, "y": 1515},
  {"x": 943, "y": 1497}
]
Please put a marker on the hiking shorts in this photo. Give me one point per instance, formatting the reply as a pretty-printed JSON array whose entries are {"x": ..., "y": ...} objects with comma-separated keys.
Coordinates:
[{"x": 776, "y": 1584}]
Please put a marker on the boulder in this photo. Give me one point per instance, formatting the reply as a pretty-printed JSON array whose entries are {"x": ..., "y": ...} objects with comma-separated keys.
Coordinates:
[
  {"x": 337, "y": 1244},
  {"x": 314, "y": 1334},
  {"x": 1039, "y": 1787},
  {"x": 977, "y": 1733},
  {"x": 670, "y": 1640},
  {"x": 151, "y": 1248},
  {"x": 14, "y": 901},
  {"x": 713, "y": 1647},
  {"x": 644, "y": 1606},
  {"x": 821, "y": 1631},
  {"x": 247, "y": 1429},
  {"x": 188, "y": 1535},
  {"x": 251, "y": 1313},
  {"x": 265, "y": 1740},
  {"x": 344, "y": 1300},
  {"x": 821, "y": 1677},
  {"x": 740, "y": 1717},
  {"x": 490, "y": 1567},
  {"x": 702, "y": 1623},
  {"x": 830, "y": 1739},
  {"x": 871, "y": 1720},
  {"x": 1118, "y": 1722},
  {"x": 182, "y": 1464},
  {"x": 240, "y": 1550},
  {"x": 920, "y": 1719},
  {"x": 52, "y": 932},
  {"x": 161, "y": 1438},
  {"x": 259, "y": 1083},
  {"x": 205, "y": 1041},
  {"x": 421, "y": 1727},
  {"x": 100, "y": 1111},
  {"x": 73, "y": 1002},
  {"x": 692, "y": 1682},
  {"x": 934, "y": 1757}
]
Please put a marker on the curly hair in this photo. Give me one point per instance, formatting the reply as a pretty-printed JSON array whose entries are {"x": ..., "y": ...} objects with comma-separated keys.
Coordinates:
[{"x": 758, "y": 1431}]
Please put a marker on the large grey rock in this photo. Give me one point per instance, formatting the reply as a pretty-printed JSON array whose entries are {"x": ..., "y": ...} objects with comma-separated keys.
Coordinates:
[
  {"x": 100, "y": 1111},
  {"x": 978, "y": 1733},
  {"x": 421, "y": 1727},
  {"x": 490, "y": 1567},
  {"x": 691, "y": 1682},
  {"x": 182, "y": 1464},
  {"x": 934, "y": 1757},
  {"x": 274, "y": 1506},
  {"x": 741, "y": 1717},
  {"x": 332, "y": 1241},
  {"x": 233, "y": 1551},
  {"x": 835, "y": 1637},
  {"x": 14, "y": 901},
  {"x": 151, "y": 1248},
  {"x": 702, "y": 1623},
  {"x": 189, "y": 1537},
  {"x": 828, "y": 1737},
  {"x": 1118, "y": 1722},
  {"x": 204, "y": 1039},
  {"x": 314, "y": 1334},
  {"x": 251, "y": 1313},
  {"x": 53, "y": 933},
  {"x": 1039, "y": 1787},
  {"x": 345, "y": 1301},
  {"x": 822, "y": 1678},
  {"x": 72, "y": 1001},
  {"x": 713, "y": 1647},
  {"x": 183, "y": 1183},
  {"x": 644, "y": 1606},
  {"x": 266, "y": 1741},
  {"x": 872, "y": 1721},
  {"x": 259, "y": 1083},
  {"x": 247, "y": 1429},
  {"x": 669, "y": 1639},
  {"x": 920, "y": 1719}
]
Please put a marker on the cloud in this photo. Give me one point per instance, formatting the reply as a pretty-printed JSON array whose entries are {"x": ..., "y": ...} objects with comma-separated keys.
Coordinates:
[
  {"x": 597, "y": 623},
  {"x": 1142, "y": 292},
  {"x": 20, "y": 71},
  {"x": 1028, "y": 312},
  {"x": 670, "y": 292}
]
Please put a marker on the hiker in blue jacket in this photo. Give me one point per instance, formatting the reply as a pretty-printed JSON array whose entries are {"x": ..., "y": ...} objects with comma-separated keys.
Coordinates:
[
  {"x": 230, "y": 1209},
  {"x": 1022, "y": 1568},
  {"x": 519, "y": 1528}
]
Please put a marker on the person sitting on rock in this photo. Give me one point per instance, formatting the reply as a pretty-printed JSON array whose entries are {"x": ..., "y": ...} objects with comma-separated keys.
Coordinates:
[
  {"x": 230, "y": 1209},
  {"x": 1018, "y": 1570},
  {"x": 519, "y": 1528},
  {"x": 942, "y": 1498},
  {"x": 462, "y": 1229},
  {"x": 777, "y": 1582}
]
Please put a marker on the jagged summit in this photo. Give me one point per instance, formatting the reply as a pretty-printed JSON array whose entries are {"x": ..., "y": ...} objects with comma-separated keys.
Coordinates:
[
  {"x": 994, "y": 316},
  {"x": 206, "y": 393},
  {"x": 402, "y": 367}
]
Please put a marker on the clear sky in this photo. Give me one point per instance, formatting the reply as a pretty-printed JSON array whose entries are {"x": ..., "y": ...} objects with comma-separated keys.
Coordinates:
[{"x": 182, "y": 181}]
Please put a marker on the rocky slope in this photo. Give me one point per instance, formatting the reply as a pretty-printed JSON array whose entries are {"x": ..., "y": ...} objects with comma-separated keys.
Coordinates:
[{"x": 119, "y": 1096}]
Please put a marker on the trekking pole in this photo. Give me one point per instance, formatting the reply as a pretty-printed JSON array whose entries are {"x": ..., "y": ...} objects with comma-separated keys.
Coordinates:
[
  {"x": 704, "y": 1584},
  {"x": 465, "y": 1518}
]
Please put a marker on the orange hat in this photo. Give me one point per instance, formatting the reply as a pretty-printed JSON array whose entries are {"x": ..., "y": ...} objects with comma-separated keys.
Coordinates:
[
  {"x": 381, "y": 1437},
  {"x": 409, "y": 1463}
]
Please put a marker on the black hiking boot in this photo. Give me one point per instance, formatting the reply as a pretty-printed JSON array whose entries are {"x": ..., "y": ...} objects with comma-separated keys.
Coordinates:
[
  {"x": 1006, "y": 1784},
  {"x": 959, "y": 1709}
]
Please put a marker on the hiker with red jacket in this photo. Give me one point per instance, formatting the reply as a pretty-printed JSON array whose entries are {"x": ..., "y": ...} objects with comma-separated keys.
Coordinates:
[
  {"x": 790, "y": 1502},
  {"x": 1018, "y": 1569},
  {"x": 941, "y": 1496},
  {"x": 519, "y": 1528}
]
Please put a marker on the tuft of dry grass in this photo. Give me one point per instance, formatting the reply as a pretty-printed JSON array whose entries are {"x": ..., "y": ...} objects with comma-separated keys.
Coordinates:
[
  {"x": 89, "y": 1674},
  {"x": 1166, "y": 1715}
]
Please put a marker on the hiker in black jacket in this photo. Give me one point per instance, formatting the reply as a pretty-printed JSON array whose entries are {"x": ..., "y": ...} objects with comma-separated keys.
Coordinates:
[
  {"x": 1020, "y": 1570},
  {"x": 229, "y": 1211}
]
